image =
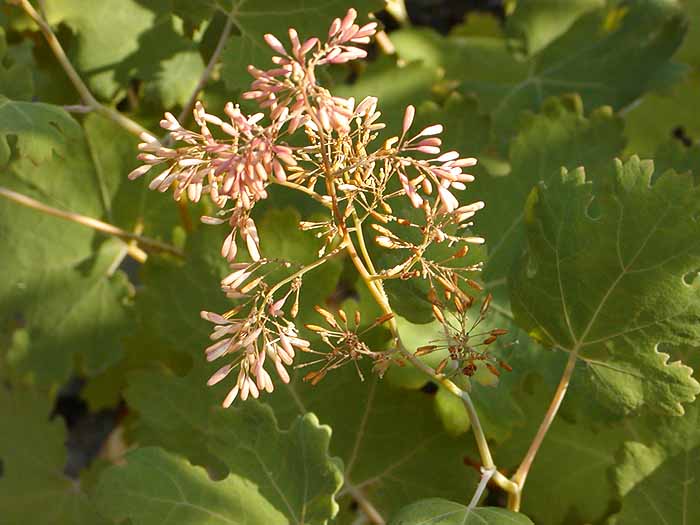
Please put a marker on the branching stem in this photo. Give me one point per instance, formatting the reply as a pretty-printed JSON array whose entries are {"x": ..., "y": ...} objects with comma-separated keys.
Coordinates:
[
  {"x": 104, "y": 227},
  {"x": 370, "y": 510},
  {"x": 87, "y": 97},
  {"x": 213, "y": 60}
]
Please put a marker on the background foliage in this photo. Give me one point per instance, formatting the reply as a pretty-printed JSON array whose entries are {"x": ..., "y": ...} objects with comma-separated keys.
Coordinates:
[{"x": 589, "y": 250}]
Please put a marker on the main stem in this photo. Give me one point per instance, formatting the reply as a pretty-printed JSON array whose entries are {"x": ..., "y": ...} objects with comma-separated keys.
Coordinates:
[{"x": 520, "y": 475}]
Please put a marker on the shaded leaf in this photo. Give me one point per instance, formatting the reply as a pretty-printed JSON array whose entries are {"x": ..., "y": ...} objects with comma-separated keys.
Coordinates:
[
  {"x": 538, "y": 22},
  {"x": 120, "y": 40},
  {"x": 16, "y": 80},
  {"x": 443, "y": 512},
  {"x": 385, "y": 437},
  {"x": 601, "y": 57},
  {"x": 658, "y": 468},
  {"x": 578, "y": 450},
  {"x": 155, "y": 485},
  {"x": 33, "y": 456},
  {"x": 67, "y": 293}
]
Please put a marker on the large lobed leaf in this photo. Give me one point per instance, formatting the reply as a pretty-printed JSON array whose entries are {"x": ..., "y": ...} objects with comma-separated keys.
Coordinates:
[
  {"x": 274, "y": 476},
  {"x": 658, "y": 466},
  {"x": 385, "y": 437},
  {"x": 117, "y": 41},
  {"x": 559, "y": 135},
  {"x": 57, "y": 284},
  {"x": 603, "y": 277}
]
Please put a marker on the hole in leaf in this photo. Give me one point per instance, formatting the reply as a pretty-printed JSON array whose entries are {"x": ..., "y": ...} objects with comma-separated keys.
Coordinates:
[
  {"x": 680, "y": 134},
  {"x": 429, "y": 388},
  {"x": 690, "y": 277}
]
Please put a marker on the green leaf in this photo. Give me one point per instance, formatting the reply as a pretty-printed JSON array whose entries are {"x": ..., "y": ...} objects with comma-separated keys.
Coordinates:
[
  {"x": 253, "y": 20},
  {"x": 120, "y": 40},
  {"x": 155, "y": 485},
  {"x": 672, "y": 155},
  {"x": 385, "y": 437},
  {"x": 657, "y": 472},
  {"x": 16, "y": 80},
  {"x": 538, "y": 22},
  {"x": 33, "y": 455},
  {"x": 274, "y": 476},
  {"x": 621, "y": 245},
  {"x": 467, "y": 129},
  {"x": 443, "y": 512},
  {"x": 57, "y": 281},
  {"x": 601, "y": 57},
  {"x": 658, "y": 463},
  {"x": 560, "y": 135}
]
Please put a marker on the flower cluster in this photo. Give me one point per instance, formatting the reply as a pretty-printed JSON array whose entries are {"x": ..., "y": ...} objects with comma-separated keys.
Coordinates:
[
  {"x": 306, "y": 139},
  {"x": 466, "y": 347}
]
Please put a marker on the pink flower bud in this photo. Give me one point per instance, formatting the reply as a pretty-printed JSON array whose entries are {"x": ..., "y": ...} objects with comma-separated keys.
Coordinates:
[
  {"x": 135, "y": 174},
  {"x": 465, "y": 163},
  {"x": 431, "y": 130},
  {"x": 308, "y": 46},
  {"x": 231, "y": 397},
  {"x": 275, "y": 44},
  {"x": 448, "y": 200},
  {"x": 335, "y": 27},
  {"x": 408, "y": 118},
  {"x": 446, "y": 157},
  {"x": 348, "y": 20},
  {"x": 431, "y": 150}
]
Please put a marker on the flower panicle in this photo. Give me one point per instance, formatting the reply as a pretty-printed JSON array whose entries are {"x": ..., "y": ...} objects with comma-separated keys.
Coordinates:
[{"x": 306, "y": 138}]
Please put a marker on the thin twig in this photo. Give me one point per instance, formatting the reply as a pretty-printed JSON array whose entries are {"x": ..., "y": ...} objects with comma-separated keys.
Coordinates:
[
  {"x": 366, "y": 505},
  {"x": 521, "y": 474},
  {"x": 86, "y": 96},
  {"x": 213, "y": 60},
  {"x": 145, "y": 242}
]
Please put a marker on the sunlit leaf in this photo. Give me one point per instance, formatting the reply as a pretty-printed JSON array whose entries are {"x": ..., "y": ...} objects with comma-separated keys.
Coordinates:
[{"x": 595, "y": 250}]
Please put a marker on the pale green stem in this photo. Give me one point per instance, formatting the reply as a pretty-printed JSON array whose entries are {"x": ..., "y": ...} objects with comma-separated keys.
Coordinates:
[
  {"x": 520, "y": 475},
  {"x": 95, "y": 224}
]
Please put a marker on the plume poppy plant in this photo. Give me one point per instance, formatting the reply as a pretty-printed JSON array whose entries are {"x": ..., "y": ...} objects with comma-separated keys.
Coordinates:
[{"x": 341, "y": 163}]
